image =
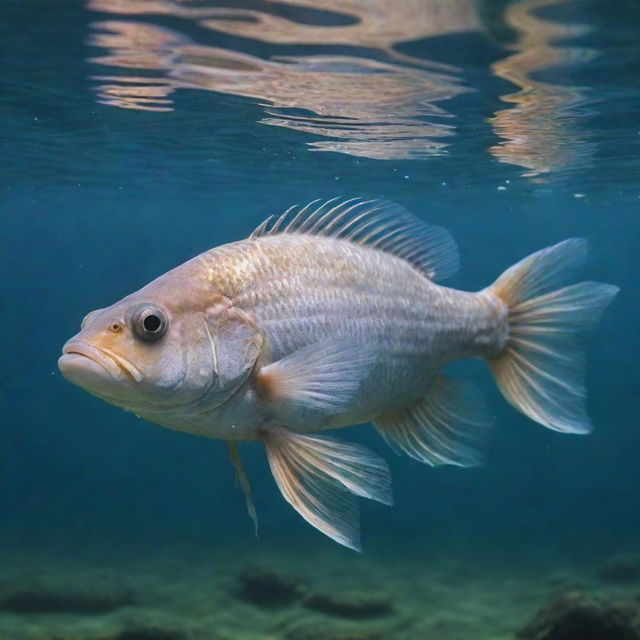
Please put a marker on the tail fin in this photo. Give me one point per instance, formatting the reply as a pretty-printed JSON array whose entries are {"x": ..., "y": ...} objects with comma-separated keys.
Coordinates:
[{"x": 540, "y": 371}]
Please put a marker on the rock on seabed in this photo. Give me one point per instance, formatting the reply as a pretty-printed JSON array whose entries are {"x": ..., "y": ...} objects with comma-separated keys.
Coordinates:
[
  {"x": 351, "y": 604},
  {"x": 576, "y": 615}
]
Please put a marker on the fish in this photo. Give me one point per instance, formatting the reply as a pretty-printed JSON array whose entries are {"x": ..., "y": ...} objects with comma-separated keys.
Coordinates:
[{"x": 331, "y": 315}]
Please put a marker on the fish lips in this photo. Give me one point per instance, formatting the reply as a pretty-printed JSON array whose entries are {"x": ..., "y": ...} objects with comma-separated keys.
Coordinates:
[{"x": 90, "y": 368}]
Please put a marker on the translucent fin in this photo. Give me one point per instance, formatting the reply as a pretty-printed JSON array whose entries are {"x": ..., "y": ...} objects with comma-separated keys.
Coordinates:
[
  {"x": 541, "y": 369},
  {"x": 243, "y": 482},
  {"x": 449, "y": 425},
  {"x": 378, "y": 224},
  {"x": 322, "y": 376},
  {"x": 320, "y": 478}
]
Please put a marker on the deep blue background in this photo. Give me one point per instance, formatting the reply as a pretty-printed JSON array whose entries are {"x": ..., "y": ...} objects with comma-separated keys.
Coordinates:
[{"x": 96, "y": 201}]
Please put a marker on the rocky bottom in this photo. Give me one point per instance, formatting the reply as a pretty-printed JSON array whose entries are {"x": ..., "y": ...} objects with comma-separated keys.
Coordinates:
[{"x": 241, "y": 595}]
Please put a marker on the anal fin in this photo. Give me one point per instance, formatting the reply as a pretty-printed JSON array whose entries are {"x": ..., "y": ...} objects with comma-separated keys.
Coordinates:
[
  {"x": 321, "y": 478},
  {"x": 449, "y": 425}
]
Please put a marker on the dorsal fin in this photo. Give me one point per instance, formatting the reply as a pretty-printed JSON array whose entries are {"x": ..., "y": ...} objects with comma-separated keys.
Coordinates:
[{"x": 379, "y": 224}]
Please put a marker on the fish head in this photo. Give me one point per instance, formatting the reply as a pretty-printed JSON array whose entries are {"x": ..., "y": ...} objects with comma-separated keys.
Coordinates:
[{"x": 161, "y": 349}]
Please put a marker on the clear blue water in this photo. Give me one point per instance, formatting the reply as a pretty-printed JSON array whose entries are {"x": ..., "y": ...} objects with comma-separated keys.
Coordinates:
[{"x": 138, "y": 134}]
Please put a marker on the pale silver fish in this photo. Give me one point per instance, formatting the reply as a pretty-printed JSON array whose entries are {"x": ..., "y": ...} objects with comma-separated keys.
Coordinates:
[{"x": 329, "y": 316}]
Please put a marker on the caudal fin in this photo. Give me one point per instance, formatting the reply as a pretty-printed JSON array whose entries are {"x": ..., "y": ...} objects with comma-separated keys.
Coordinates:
[{"x": 541, "y": 369}]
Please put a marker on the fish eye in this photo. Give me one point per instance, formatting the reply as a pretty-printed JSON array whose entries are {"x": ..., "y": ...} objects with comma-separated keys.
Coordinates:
[{"x": 148, "y": 322}]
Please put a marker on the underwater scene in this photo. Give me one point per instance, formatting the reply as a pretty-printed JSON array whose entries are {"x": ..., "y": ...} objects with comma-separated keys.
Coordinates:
[{"x": 300, "y": 338}]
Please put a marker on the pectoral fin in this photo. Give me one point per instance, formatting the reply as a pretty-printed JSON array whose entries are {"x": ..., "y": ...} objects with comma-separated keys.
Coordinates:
[
  {"x": 449, "y": 425},
  {"x": 322, "y": 376},
  {"x": 320, "y": 478}
]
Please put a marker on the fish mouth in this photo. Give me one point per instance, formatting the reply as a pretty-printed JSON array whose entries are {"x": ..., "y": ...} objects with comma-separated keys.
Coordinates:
[{"x": 83, "y": 364}]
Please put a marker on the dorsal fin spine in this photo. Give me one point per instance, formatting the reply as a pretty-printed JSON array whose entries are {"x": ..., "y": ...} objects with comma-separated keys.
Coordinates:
[
  {"x": 261, "y": 228},
  {"x": 340, "y": 217},
  {"x": 304, "y": 227},
  {"x": 367, "y": 239},
  {"x": 354, "y": 221},
  {"x": 377, "y": 224},
  {"x": 379, "y": 242},
  {"x": 294, "y": 221},
  {"x": 366, "y": 224},
  {"x": 281, "y": 219},
  {"x": 327, "y": 215}
]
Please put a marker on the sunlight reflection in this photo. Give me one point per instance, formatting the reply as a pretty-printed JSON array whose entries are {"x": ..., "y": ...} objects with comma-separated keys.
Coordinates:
[
  {"x": 541, "y": 132},
  {"x": 390, "y": 107},
  {"x": 357, "y": 105}
]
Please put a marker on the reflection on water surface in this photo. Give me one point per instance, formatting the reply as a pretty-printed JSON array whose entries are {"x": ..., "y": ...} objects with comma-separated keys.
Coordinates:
[
  {"x": 373, "y": 101},
  {"x": 541, "y": 130}
]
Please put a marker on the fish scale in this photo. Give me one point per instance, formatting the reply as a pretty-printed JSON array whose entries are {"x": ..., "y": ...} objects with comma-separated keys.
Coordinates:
[{"x": 376, "y": 296}]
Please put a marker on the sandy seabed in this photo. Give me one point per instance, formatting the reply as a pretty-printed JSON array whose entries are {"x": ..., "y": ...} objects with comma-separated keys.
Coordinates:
[{"x": 290, "y": 593}]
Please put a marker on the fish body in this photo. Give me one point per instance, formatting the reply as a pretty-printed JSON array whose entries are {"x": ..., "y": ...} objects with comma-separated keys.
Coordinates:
[
  {"x": 299, "y": 290},
  {"x": 330, "y": 316}
]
